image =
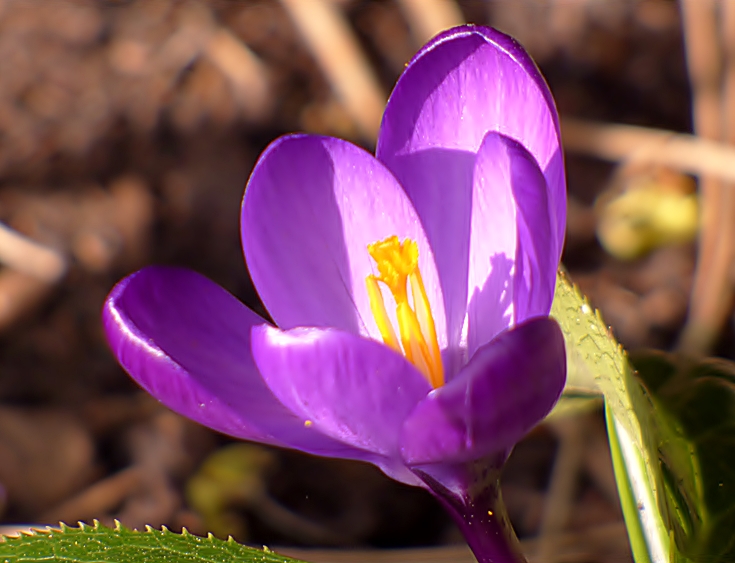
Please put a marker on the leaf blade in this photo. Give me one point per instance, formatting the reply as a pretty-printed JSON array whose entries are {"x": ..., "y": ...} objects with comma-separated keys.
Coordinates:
[
  {"x": 99, "y": 544},
  {"x": 595, "y": 358}
]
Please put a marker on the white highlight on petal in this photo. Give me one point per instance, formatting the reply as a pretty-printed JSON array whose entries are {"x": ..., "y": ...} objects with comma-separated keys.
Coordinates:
[
  {"x": 301, "y": 336},
  {"x": 132, "y": 336}
]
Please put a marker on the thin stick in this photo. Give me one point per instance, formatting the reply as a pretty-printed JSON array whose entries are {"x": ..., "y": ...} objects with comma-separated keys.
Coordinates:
[
  {"x": 245, "y": 71},
  {"x": 29, "y": 257},
  {"x": 19, "y": 294},
  {"x": 559, "y": 499},
  {"x": 728, "y": 33},
  {"x": 335, "y": 48},
  {"x": 426, "y": 18},
  {"x": 712, "y": 292},
  {"x": 99, "y": 498},
  {"x": 679, "y": 151}
]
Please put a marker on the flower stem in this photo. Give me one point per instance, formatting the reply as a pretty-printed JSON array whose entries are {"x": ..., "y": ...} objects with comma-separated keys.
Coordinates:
[{"x": 481, "y": 516}]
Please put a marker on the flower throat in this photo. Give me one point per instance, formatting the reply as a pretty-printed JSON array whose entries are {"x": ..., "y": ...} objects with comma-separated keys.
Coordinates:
[{"x": 398, "y": 269}]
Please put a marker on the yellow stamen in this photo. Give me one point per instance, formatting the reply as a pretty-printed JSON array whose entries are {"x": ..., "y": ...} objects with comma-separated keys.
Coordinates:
[
  {"x": 398, "y": 268},
  {"x": 377, "y": 306},
  {"x": 423, "y": 314}
]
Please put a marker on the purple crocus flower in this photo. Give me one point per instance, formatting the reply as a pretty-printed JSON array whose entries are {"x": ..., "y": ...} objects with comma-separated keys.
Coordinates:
[{"x": 410, "y": 290}]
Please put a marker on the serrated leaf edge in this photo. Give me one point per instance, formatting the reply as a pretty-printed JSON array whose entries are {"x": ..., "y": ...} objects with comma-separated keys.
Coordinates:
[
  {"x": 97, "y": 526},
  {"x": 636, "y": 456},
  {"x": 588, "y": 311}
]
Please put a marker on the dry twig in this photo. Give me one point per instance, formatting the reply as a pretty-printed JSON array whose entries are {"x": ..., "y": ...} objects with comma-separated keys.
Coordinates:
[
  {"x": 426, "y": 18},
  {"x": 559, "y": 499},
  {"x": 245, "y": 71},
  {"x": 29, "y": 257},
  {"x": 100, "y": 498},
  {"x": 19, "y": 295},
  {"x": 615, "y": 143},
  {"x": 712, "y": 292},
  {"x": 335, "y": 48}
]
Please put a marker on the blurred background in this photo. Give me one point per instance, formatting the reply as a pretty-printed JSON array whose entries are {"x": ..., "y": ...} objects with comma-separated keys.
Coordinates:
[{"x": 127, "y": 132}]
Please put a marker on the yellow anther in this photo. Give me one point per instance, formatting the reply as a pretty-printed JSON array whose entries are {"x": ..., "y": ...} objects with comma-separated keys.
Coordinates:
[{"x": 398, "y": 269}]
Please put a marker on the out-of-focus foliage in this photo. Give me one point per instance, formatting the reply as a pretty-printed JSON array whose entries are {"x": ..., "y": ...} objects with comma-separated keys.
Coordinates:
[
  {"x": 653, "y": 210},
  {"x": 231, "y": 477}
]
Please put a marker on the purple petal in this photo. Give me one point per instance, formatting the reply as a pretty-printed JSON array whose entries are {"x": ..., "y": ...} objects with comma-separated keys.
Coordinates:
[
  {"x": 536, "y": 262},
  {"x": 508, "y": 386},
  {"x": 352, "y": 389},
  {"x": 311, "y": 207},
  {"x": 465, "y": 83},
  {"x": 469, "y": 81},
  {"x": 186, "y": 341},
  {"x": 512, "y": 267},
  {"x": 493, "y": 242}
]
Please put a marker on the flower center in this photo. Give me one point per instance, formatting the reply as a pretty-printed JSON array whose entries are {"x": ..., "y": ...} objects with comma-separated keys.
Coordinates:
[{"x": 398, "y": 269}]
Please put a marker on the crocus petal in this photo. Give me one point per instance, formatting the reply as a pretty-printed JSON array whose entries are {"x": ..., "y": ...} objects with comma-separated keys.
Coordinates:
[
  {"x": 497, "y": 398},
  {"x": 466, "y": 82},
  {"x": 512, "y": 268},
  {"x": 186, "y": 341},
  {"x": 463, "y": 84},
  {"x": 536, "y": 263},
  {"x": 353, "y": 389},
  {"x": 311, "y": 207}
]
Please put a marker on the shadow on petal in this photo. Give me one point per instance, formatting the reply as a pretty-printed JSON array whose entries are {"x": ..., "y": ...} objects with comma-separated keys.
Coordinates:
[
  {"x": 490, "y": 310},
  {"x": 439, "y": 184},
  {"x": 311, "y": 208},
  {"x": 465, "y": 83}
]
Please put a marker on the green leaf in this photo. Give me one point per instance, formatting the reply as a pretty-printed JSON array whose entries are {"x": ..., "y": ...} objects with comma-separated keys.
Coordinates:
[
  {"x": 693, "y": 431},
  {"x": 596, "y": 360},
  {"x": 672, "y": 435},
  {"x": 627, "y": 493},
  {"x": 98, "y": 544}
]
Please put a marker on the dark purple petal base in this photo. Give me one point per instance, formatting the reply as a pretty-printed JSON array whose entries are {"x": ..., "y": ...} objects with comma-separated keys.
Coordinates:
[{"x": 477, "y": 507}]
